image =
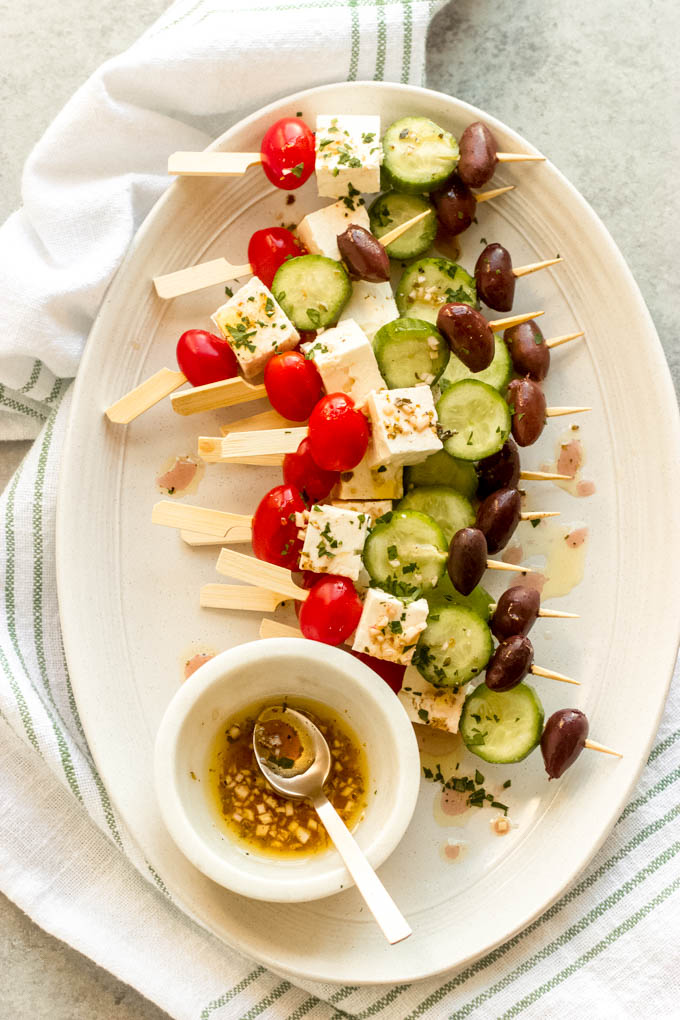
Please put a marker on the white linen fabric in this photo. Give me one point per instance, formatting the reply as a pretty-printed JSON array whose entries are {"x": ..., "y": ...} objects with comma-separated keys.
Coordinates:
[{"x": 65, "y": 856}]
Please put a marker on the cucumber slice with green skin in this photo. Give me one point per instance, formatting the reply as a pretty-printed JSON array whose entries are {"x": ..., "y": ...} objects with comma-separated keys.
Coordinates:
[
  {"x": 405, "y": 553},
  {"x": 454, "y": 647},
  {"x": 441, "y": 468},
  {"x": 418, "y": 155},
  {"x": 475, "y": 420},
  {"x": 394, "y": 208},
  {"x": 498, "y": 374},
  {"x": 448, "y": 508},
  {"x": 410, "y": 352},
  {"x": 427, "y": 284},
  {"x": 502, "y": 728},
  {"x": 478, "y": 600},
  {"x": 312, "y": 290}
]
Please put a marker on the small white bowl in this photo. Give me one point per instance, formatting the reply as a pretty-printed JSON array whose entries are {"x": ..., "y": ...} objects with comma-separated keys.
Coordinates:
[{"x": 280, "y": 667}]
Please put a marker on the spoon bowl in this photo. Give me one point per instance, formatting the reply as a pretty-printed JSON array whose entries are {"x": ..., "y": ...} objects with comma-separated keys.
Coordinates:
[{"x": 305, "y": 776}]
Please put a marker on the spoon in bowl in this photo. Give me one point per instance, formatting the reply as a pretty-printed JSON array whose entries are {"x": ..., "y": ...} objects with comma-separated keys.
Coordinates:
[{"x": 295, "y": 759}]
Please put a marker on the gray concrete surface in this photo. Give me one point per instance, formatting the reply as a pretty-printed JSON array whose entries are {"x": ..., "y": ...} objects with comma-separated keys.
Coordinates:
[{"x": 593, "y": 83}]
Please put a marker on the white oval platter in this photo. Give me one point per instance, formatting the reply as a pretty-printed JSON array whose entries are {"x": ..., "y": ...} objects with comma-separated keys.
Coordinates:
[{"x": 129, "y": 591}]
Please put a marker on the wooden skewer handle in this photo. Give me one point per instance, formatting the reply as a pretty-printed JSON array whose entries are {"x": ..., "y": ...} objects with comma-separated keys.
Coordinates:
[
  {"x": 235, "y": 536},
  {"x": 557, "y": 340},
  {"x": 272, "y": 628},
  {"x": 497, "y": 325},
  {"x": 145, "y": 396},
  {"x": 212, "y": 164},
  {"x": 538, "y": 515},
  {"x": 237, "y": 445},
  {"x": 515, "y": 568},
  {"x": 555, "y": 412},
  {"x": 198, "y": 519},
  {"x": 240, "y": 596},
  {"x": 550, "y": 675},
  {"x": 193, "y": 278},
  {"x": 261, "y": 574},
  {"x": 257, "y": 422},
  {"x": 534, "y": 267},
  {"x": 544, "y": 476},
  {"x": 486, "y": 196},
  {"x": 551, "y": 613},
  {"x": 217, "y": 394},
  {"x": 593, "y": 745},
  {"x": 518, "y": 157}
]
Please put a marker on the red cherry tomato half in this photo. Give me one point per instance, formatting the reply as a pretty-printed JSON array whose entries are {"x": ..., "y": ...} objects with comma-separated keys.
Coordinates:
[
  {"x": 287, "y": 153},
  {"x": 268, "y": 249},
  {"x": 338, "y": 433},
  {"x": 205, "y": 358},
  {"x": 331, "y": 611},
  {"x": 301, "y": 471},
  {"x": 275, "y": 533},
  {"x": 391, "y": 672},
  {"x": 293, "y": 385}
]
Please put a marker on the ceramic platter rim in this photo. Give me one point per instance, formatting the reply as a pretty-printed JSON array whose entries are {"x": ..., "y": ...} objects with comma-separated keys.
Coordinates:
[{"x": 642, "y": 430}]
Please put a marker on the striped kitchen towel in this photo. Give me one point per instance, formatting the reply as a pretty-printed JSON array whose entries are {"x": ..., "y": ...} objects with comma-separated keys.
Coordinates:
[{"x": 607, "y": 946}]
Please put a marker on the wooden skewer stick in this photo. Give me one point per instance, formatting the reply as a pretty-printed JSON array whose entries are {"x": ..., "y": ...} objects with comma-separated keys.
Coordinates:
[
  {"x": 193, "y": 278},
  {"x": 535, "y": 266},
  {"x": 594, "y": 746},
  {"x": 485, "y": 196},
  {"x": 518, "y": 157},
  {"x": 544, "y": 476},
  {"x": 557, "y": 340},
  {"x": 234, "y": 447},
  {"x": 396, "y": 232},
  {"x": 551, "y": 613},
  {"x": 555, "y": 412},
  {"x": 539, "y": 671},
  {"x": 201, "y": 521},
  {"x": 261, "y": 574},
  {"x": 235, "y": 536},
  {"x": 211, "y": 164},
  {"x": 257, "y": 422},
  {"x": 272, "y": 628},
  {"x": 240, "y": 596},
  {"x": 145, "y": 396},
  {"x": 538, "y": 515},
  {"x": 501, "y": 565},
  {"x": 498, "y": 325},
  {"x": 217, "y": 394}
]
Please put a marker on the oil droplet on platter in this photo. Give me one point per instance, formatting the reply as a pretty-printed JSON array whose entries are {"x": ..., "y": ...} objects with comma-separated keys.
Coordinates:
[
  {"x": 453, "y": 849},
  {"x": 195, "y": 662},
  {"x": 180, "y": 475},
  {"x": 501, "y": 826},
  {"x": 569, "y": 460},
  {"x": 561, "y": 551}
]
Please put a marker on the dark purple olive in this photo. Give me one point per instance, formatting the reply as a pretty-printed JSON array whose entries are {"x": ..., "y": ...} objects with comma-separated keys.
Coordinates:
[
  {"x": 510, "y": 663},
  {"x": 477, "y": 162},
  {"x": 468, "y": 334},
  {"x": 498, "y": 516},
  {"x": 499, "y": 471},
  {"x": 456, "y": 205},
  {"x": 529, "y": 352},
  {"x": 515, "y": 613},
  {"x": 365, "y": 256},
  {"x": 467, "y": 559},
  {"x": 494, "y": 278},
  {"x": 563, "y": 739},
  {"x": 527, "y": 406}
]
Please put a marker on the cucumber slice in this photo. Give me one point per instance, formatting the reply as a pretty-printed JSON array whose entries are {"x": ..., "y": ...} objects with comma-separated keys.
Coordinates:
[
  {"x": 418, "y": 155},
  {"x": 475, "y": 420},
  {"x": 501, "y": 728},
  {"x": 394, "y": 208},
  {"x": 498, "y": 374},
  {"x": 441, "y": 468},
  {"x": 312, "y": 290},
  {"x": 410, "y": 352},
  {"x": 405, "y": 552},
  {"x": 478, "y": 600},
  {"x": 448, "y": 508},
  {"x": 427, "y": 284},
  {"x": 454, "y": 647}
]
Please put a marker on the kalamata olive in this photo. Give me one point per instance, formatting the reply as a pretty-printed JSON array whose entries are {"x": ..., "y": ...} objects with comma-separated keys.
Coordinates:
[
  {"x": 563, "y": 739},
  {"x": 456, "y": 205},
  {"x": 477, "y": 162},
  {"x": 527, "y": 405},
  {"x": 494, "y": 278},
  {"x": 516, "y": 612},
  {"x": 468, "y": 334},
  {"x": 499, "y": 471},
  {"x": 498, "y": 516},
  {"x": 467, "y": 559},
  {"x": 365, "y": 256},
  {"x": 510, "y": 663},
  {"x": 529, "y": 352}
]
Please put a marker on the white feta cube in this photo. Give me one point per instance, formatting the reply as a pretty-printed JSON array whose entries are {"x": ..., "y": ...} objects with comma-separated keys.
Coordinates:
[
  {"x": 389, "y": 628},
  {"x": 345, "y": 360},
  {"x": 334, "y": 541},
  {"x": 384, "y": 481},
  {"x": 348, "y": 154},
  {"x": 319, "y": 230},
  {"x": 371, "y": 306},
  {"x": 373, "y": 508},
  {"x": 255, "y": 326},
  {"x": 404, "y": 425},
  {"x": 438, "y": 707}
]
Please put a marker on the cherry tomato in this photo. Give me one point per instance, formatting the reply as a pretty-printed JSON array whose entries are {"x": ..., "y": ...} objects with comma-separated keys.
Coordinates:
[
  {"x": 205, "y": 358},
  {"x": 287, "y": 152},
  {"x": 331, "y": 611},
  {"x": 301, "y": 471},
  {"x": 268, "y": 249},
  {"x": 304, "y": 579},
  {"x": 293, "y": 385},
  {"x": 338, "y": 433},
  {"x": 391, "y": 672},
  {"x": 275, "y": 533}
]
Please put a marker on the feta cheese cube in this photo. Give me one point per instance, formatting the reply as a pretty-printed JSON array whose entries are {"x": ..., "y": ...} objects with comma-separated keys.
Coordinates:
[
  {"x": 348, "y": 154},
  {"x": 404, "y": 425},
  {"x": 371, "y": 306},
  {"x": 334, "y": 541},
  {"x": 384, "y": 481},
  {"x": 319, "y": 230},
  {"x": 346, "y": 362},
  {"x": 373, "y": 508},
  {"x": 255, "y": 326},
  {"x": 390, "y": 628},
  {"x": 438, "y": 707}
]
